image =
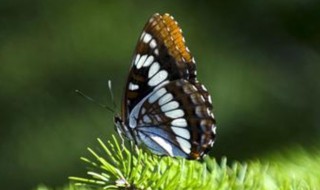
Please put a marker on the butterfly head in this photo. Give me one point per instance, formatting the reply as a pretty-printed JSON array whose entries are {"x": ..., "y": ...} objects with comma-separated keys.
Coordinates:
[
  {"x": 121, "y": 128},
  {"x": 118, "y": 123}
]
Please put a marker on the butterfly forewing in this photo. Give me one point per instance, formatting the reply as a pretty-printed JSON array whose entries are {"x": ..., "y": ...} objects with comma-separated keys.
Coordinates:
[
  {"x": 165, "y": 108},
  {"x": 160, "y": 56}
]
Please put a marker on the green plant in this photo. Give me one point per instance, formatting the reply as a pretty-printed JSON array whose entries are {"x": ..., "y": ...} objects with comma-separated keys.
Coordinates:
[{"x": 115, "y": 167}]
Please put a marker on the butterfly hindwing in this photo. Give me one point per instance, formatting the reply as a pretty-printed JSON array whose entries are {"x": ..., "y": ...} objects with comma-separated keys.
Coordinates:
[{"x": 175, "y": 120}]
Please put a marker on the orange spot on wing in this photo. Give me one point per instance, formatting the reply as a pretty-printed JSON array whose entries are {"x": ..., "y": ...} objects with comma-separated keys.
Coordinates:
[{"x": 167, "y": 29}]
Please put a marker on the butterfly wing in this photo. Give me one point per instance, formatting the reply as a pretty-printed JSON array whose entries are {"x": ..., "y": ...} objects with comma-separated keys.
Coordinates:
[
  {"x": 160, "y": 56},
  {"x": 165, "y": 108},
  {"x": 175, "y": 120}
]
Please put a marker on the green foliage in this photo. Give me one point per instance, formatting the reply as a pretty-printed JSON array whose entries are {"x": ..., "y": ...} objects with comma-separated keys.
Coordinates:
[{"x": 116, "y": 167}]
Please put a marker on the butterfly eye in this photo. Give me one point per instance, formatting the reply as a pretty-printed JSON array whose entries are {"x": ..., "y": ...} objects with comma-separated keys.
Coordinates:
[{"x": 164, "y": 107}]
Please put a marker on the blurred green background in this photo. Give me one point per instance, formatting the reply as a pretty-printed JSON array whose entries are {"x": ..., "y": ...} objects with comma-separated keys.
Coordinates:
[{"x": 260, "y": 60}]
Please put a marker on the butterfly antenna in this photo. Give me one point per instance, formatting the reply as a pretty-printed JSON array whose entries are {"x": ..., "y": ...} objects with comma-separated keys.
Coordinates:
[
  {"x": 111, "y": 95},
  {"x": 93, "y": 101}
]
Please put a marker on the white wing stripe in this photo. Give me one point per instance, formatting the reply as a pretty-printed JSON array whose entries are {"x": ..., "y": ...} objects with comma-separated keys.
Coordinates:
[
  {"x": 141, "y": 61},
  {"x": 181, "y": 122},
  {"x": 153, "y": 69},
  {"x": 148, "y": 61},
  {"x": 155, "y": 96},
  {"x": 166, "y": 98},
  {"x": 175, "y": 113},
  {"x": 158, "y": 78},
  {"x": 163, "y": 143},
  {"x": 182, "y": 132},
  {"x": 184, "y": 144},
  {"x": 169, "y": 106}
]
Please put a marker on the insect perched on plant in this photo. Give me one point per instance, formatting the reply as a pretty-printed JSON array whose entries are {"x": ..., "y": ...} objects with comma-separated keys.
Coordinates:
[{"x": 165, "y": 108}]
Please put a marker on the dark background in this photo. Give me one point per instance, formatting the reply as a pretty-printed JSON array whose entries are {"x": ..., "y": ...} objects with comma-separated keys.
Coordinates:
[{"x": 260, "y": 61}]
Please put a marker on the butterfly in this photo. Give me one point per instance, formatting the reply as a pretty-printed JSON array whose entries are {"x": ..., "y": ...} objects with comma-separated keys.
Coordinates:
[{"x": 165, "y": 108}]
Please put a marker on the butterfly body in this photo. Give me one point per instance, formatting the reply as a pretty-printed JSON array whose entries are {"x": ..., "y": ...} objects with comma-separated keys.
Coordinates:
[{"x": 165, "y": 108}]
